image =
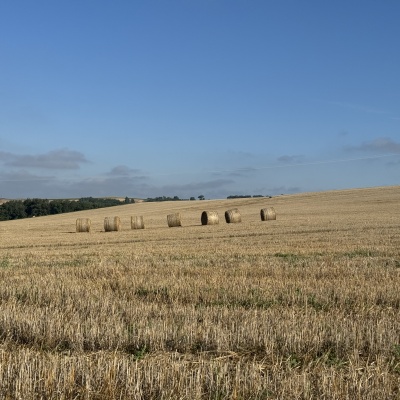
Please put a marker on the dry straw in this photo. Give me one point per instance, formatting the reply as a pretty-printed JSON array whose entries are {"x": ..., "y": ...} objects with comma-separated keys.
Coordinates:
[
  {"x": 209, "y": 218},
  {"x": 233, "y": 216},
  {"x": 83, "y": 224},
  {"x": 174, "y": 220},
  {"x": 112, "y": 224},
  {"x": 268, "y": 214},
  {"x": 137, "y": 222}
]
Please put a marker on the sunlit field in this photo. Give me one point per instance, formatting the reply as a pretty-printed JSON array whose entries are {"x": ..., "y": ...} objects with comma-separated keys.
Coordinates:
[{"x": 302, "y": 307}]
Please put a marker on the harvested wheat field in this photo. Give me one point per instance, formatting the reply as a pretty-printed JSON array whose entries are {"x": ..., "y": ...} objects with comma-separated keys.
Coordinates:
[{"x": 302, "y": 307}]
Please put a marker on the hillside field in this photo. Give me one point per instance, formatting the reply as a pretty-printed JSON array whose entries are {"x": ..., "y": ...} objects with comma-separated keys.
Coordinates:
[{"x": 303, "y": 307}]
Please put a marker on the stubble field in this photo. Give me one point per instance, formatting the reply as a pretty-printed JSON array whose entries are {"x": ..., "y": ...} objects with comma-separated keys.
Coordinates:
[{"x": 304, "y": 307}]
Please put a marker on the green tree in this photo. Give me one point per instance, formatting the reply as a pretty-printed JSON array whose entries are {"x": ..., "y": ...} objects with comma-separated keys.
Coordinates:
[
  {"x": 36, "y": 207},
  {"x": 13, "y": 209},
  {"x": 57, "y": 207}
]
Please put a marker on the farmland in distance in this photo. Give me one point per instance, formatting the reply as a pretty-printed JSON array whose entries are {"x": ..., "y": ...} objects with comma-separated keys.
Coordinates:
[{"x": 302, "y": 307}]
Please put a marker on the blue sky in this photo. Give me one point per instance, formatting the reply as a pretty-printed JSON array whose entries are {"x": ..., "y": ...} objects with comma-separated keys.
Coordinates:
[{"x": 188, "y": 97}]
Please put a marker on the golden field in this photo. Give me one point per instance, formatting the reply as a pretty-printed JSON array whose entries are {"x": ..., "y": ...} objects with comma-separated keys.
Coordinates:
[{"x": 304, "y": 307}]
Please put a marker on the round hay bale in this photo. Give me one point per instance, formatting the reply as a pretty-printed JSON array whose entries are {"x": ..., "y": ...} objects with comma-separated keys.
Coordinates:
[
  {"x": 209, "y": 218},
  {"x": 112, "y": 224},
  {"x": 174, "y": 220},
  {"x": 137, "y": 222},
  {"x": 268, "y": 214},
  {"x": 83, "y": 224},
  {"x": 233, "y": 216}
]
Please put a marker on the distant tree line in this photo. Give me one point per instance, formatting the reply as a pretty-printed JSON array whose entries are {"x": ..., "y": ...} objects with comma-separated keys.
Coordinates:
[
  {"x": 162, "y": 198},
  {"x": 238, "y": 196},
  {"x": 201, "y": 197},
  {"x": 16, "y": 209},
  {"x": 175, "y": 198}
]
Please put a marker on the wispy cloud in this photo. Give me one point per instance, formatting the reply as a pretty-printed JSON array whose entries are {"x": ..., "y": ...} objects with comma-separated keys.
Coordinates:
[
  {"x": 379, "y": 145},
  {"x": 142, "y": 187},
  {"x": 245, "y": 171},
  {"x": 123, "y": 170},
  {"x": 119, "y": 181},
  {"x": 285, "y": 190},
  {"x": 218, "y": 188},
  {"x": 196, "y": 186},
  {"x": 358, "y": 107},
  {"x": 294, "y": 159},
  {"x": 23, "y": 176},
  {"x": 22, "y": 184},
  {"x": 277, "y": 190},
  {"x": 234, "y": 172},
  {"x": 62, "y": 159},
  {"x": 100, "y": 187}
]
